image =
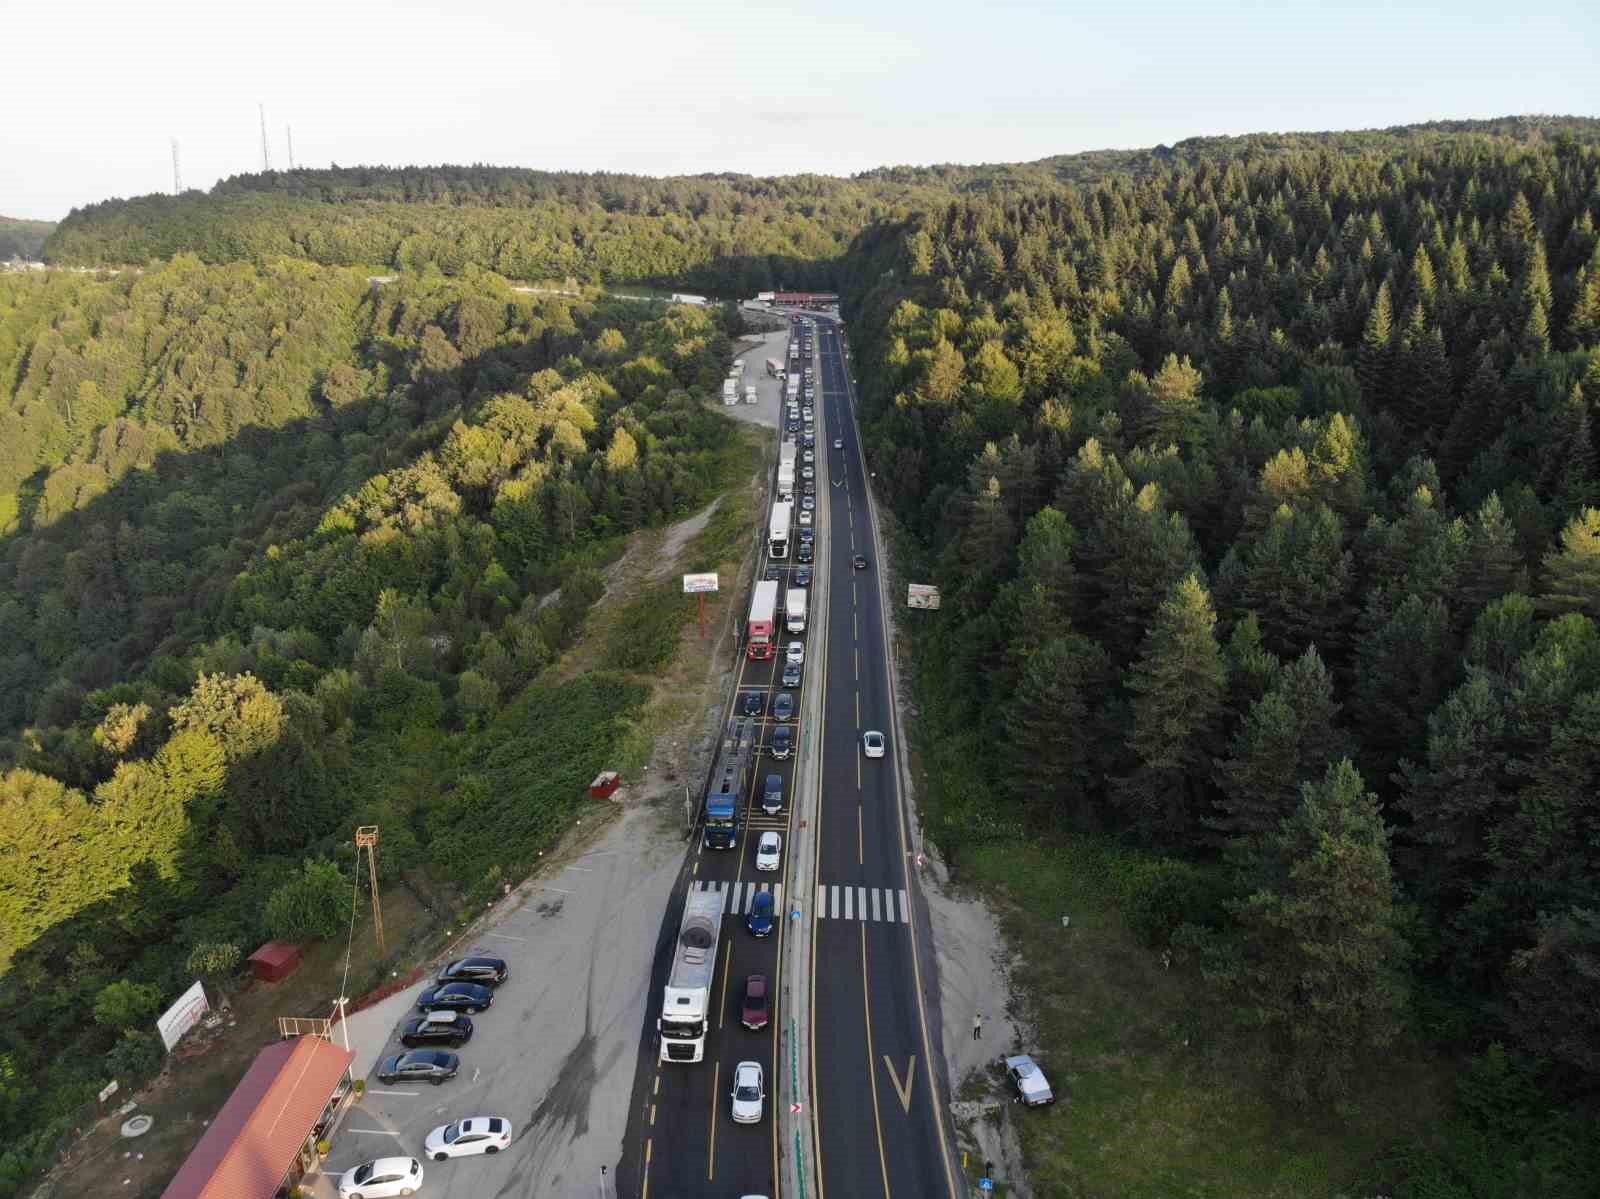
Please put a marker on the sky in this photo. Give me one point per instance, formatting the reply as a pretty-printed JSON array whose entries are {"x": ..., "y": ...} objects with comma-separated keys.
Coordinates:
[{"x": 93, "y": 93}]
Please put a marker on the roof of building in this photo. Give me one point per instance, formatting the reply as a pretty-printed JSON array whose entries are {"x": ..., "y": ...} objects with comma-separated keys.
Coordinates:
[
  {"x": 252, "y": 1143},
  {"x": 276, "y": 953}
]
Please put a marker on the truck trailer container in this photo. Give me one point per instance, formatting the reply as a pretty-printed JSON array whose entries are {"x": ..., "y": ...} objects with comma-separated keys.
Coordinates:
[
  {"x": 762, "y": 626},
  {"x": 786, "y": 460},
  {"x": 778, "y": 529},
  {"x": 774, "y": 367},
  {"x": 794, "y": 610}
]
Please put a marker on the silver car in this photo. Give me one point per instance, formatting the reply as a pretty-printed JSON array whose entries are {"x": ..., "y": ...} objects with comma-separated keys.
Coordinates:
[
  {"x": 749, "y": 1093},
  {"x": 1031, "y": 1085}
]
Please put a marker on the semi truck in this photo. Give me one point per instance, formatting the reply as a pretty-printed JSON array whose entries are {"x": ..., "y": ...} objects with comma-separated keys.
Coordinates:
[
  {"x": 730, "y": 391},
  {"x": 774, "y": 367},
  {"x": 792, "y": 387},
  {"x": 723, "y": 807},
  {"x": 794, "y": 610},
  {"x": 749, "y": 395},
  {"x": 686, "y": 999},
  {"x": 786, "y": 459},
  {"x": 761, "y": 628},
  {"x": 778, "y": 530}
]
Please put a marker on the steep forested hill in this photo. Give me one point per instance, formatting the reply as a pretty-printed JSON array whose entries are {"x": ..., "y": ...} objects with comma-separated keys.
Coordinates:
[
  {"x": 1261, "y": 498},
  {"x": 23, "y": 239}
]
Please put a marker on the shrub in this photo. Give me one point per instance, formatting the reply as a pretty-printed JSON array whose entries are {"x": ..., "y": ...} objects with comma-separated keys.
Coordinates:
[
  {"x": 122, "y": 1004},
  {"x": 1170, "y": 893},
  {"x": 314, "y": 905}
]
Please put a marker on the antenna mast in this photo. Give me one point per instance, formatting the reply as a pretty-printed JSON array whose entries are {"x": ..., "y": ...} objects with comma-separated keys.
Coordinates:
[
  {"x": 266, "y": 152},
  {"x": 177, "y": 175},
  {"x": 288, "y": 132}
]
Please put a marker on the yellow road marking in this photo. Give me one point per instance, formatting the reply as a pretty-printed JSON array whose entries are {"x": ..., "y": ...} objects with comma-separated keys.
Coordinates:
[{"x": 911, "y": 1074}]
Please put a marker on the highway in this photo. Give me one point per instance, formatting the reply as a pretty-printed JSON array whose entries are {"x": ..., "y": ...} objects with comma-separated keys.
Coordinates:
[{"x": 874, "y": 1113}]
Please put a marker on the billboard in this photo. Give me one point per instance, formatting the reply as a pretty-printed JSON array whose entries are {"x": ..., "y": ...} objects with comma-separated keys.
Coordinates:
[
  {"x": 182, "y": 1016},
  {"x": 698, "y": 583},
  {"x": 920, "y": 595}
]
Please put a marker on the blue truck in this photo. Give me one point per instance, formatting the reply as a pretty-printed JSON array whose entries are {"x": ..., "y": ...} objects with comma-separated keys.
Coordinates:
[{"x": 724, "y": 807}]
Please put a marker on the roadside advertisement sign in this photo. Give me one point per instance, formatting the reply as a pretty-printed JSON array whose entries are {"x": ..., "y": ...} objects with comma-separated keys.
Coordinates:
[
  {"x": 183, "y": 1015},
  {"x": 920, "y": 595},
  {"x": 693, "y": 584}
]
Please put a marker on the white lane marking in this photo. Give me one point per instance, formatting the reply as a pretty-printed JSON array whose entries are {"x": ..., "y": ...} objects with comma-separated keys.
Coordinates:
[
  {"x": 377, "y": 1132},
  {"x": 408, "y": 1094},
  {"x": 862, "y": 901},
  {"x": 849, "y": 901},
  {"x": 875, "y": 915},
  {"x": 563, "y": 890},
  {"x": 904, "y": 917},
  {"x": 822, "y": 901},
  {"x": 505, "y": 936}
]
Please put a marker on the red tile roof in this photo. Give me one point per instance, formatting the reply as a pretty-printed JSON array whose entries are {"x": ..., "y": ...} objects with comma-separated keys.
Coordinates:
[
  {"x": 253, "y": 1141},
  {"x": 276, "y": 953}
]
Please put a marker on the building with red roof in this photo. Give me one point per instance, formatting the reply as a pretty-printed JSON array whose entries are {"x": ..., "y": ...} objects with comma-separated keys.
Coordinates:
[{"x": 265, "y": 1137}]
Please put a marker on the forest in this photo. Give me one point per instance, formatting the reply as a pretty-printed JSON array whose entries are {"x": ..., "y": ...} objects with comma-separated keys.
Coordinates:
[
  {"x": 284, "y": 550},
  {"x": 23, "y": 239},
  {"x": 1261, "y": 497},
  {"x": 1259, "y": 476}
]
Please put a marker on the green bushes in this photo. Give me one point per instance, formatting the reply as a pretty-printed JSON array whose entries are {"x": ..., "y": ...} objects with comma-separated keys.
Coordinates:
[
  {"x": 645, "y": 635},
  {"x": 313, "y": 906}
]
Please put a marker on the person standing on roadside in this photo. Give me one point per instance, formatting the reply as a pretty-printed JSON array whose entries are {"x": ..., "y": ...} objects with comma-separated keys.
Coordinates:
[{"x": 977, "y": 1025}]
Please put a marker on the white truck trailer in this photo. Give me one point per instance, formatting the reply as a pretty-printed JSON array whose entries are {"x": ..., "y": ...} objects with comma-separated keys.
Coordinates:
[
  {"x": 686, "y": 999},
  {"x": 774, "y": 367},
  {"x": 794, "y": 610},
  {"x": 749, "y": 395},
  {"x": 730, "y": 391},
  {"x": 786, "y": 459}
]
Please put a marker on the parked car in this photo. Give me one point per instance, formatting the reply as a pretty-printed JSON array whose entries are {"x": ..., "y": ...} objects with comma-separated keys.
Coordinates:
[
  {"x": 460, "y": 997},
  {"x": 752, "y": 703},
  {"x": 782, "y": 742},
  {"x": 754, "y": 1012},
  {"x": 762, "y": 915},
  {"x": 783, "y": 706},
  {"x": 802, "y": 577},
  {"x": 421, "y": 1065},
  {"x": 490, "y": 972},
  {"x": 769, "y": 851},
  {"x": 437, "y": 1028},
  {"x": 872, "y": 743},
  {"x": 791, "y": 675},
  {"x": 772, "y": 795},
  {"x": 1031, "y": 1086},
  {"x": 795, "y": 653},
  {"x": 475, "y": 1134},
  {"x": 381, "y": 1178},
  {"x": 749, "y": 1093}
]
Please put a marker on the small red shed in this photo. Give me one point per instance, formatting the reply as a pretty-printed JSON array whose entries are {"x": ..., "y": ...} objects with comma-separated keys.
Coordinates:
[
  {"x": 604, "y": 784},
  {"x": 275, "y": 961}
]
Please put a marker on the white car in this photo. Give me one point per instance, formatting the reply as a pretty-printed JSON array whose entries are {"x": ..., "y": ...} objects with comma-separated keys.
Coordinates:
[
  {"x": 381, "y": 1179},
  {"x": 838, "y": 443},
  {"x": 769, "y": 851},
  {"x": 795, "y": 655},
  {"x": 476, "y": 1134},
  {"x": 872, "y": 743},
  {"x": 808, "y": 456},
  {"x": 748, "y": 1093},
  {"x": 1029, "y": 1081},
  {"x": 806, "y": 515}
]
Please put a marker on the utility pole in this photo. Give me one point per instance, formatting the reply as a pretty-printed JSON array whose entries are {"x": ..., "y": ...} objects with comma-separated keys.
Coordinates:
[
  {"x": 177, "y": 175},
  {"x": 266, "y": 150},
  {"x": 288, "y": 133}
]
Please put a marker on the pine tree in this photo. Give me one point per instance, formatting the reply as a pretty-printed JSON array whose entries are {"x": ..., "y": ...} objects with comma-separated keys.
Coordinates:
[
  {"x": 1583, "y": 326},
  {"x": 1047, "y": 722},
  {"x": 1319, "y": 972},
  {"x": 1494, "y": 567},
  {"x": 1567, "y": 455},
  {"x": 1376, "y": 361},
  {"x": 1571, "y": 574},
  {"x": 1179, "y": 684}
]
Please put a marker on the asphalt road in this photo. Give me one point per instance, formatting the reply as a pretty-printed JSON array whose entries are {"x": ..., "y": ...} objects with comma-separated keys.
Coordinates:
[
  {"x": 681, "y": 1140},
  {"x": 877, "y": 1109}
]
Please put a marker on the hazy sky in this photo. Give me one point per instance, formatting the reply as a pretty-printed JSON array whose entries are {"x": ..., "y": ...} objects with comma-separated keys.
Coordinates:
[{"x": 92, "y": 93}]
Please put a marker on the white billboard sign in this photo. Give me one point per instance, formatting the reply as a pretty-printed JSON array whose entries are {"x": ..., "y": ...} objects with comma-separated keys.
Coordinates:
[
  {"x": 920, "y": 595},
  {"x": 698, "y": 583},
  {"x": 182, "y": 1016}
]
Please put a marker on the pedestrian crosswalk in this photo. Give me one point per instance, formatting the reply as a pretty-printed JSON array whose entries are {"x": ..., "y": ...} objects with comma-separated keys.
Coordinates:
[
  {"x": 737, "y": 897},
  {"x": 862, "y": 903}
]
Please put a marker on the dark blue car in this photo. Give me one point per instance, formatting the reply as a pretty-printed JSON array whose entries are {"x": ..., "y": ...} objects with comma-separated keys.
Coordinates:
[
  {"x": 761, "y": 918},
  {"x": 456, "y": 997}
]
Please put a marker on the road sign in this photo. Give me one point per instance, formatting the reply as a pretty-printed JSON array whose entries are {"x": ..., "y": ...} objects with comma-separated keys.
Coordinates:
[
  {"x": 795, "y": 1107},
  {"x": 985, "y": 1184},
  {"x": 693, "y": 584},
  {"x": 921, "y": 595}
]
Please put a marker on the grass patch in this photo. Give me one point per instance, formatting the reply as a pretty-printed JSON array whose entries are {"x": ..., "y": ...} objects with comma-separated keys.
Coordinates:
[
  {"x": 644, "y": 630},
  {"x": 1154, "y": 1102}
]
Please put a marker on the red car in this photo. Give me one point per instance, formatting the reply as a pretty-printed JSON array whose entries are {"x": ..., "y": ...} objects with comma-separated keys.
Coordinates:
[{"x": 753, "y": 1013}]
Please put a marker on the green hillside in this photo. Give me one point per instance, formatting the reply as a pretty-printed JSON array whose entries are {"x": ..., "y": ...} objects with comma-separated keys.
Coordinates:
[{"x": 23, "y": 239}]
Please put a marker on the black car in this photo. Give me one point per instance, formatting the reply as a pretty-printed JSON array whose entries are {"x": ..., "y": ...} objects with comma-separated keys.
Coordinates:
[
  {"x": 802, "y": 577},
  {"x": 811, "y": 487},
  {"x": 437, "y": 1028},
  {"x": 782, "y": 742},
  {"x": 456, "y": 997},
  {"x": 752, "y": 703},
  {"x": 772, "y": 574},
  {"x": 422, "y": 1065},
  {"x": 803, "y": 554},
  {"x": 491, "y": 972},
  {"x": 791, "y": 674},
  {"x": 783, "y": 707},
  {"x": 860, "y": 562}
]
